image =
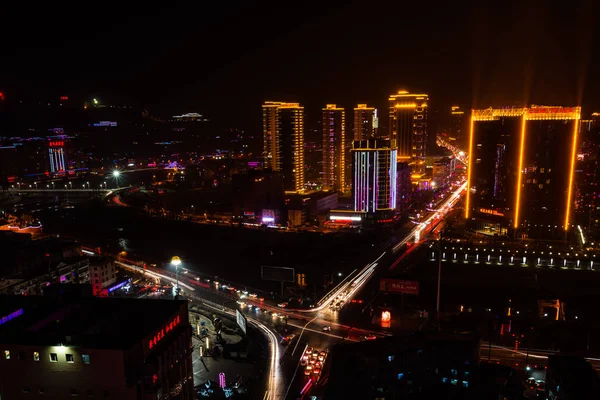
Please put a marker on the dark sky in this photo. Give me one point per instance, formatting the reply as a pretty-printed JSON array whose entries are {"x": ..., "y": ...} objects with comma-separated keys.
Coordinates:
[{"x": 224, "y": 58}]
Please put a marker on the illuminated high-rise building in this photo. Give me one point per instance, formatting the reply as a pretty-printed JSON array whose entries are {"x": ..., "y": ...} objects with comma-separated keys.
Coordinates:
[
  {"x": 374, "y": 179},
  {"x": 521, "y": 165},
  {"x": 364, "y": 122},
  {"x": 458, "y": 121},
  {"x": 334, "y": 152},
  {"x": 408, "y": 128},
  {"x": 56, "y": 152},
  {"x": 283, "y": 142}
]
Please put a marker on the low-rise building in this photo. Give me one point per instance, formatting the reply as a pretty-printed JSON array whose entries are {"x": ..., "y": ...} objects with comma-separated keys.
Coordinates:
[{"x": 101, "y": 348}]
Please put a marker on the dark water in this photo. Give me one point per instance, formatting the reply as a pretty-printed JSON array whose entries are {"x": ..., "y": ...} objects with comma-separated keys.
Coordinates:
[{"x": 232, "y": 253}]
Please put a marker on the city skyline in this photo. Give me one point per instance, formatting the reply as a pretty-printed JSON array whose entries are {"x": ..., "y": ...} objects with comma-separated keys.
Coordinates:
[{"x": 472, "y": 74}]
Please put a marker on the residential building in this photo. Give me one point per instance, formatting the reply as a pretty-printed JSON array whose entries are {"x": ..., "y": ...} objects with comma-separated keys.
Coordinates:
[
  {"x": 334, "y": 151},
  {"x": 408, "y": 128},
  {"x": 283, "y": 142}
]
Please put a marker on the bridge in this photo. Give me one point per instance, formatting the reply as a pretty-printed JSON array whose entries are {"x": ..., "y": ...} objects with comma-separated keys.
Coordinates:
[{"x": 64, "y": 191}]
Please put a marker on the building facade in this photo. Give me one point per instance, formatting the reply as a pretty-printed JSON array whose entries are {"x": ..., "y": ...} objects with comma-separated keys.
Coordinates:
[
  {"x": 95, "y": 348},
  {"x": 404, "y": 188},
  {"x": 56, "y": 154},
  {"x": 520, "y": 174},
  {"x": 364, "y": 127},
  {"x": 102, "y": 275},
  {"x": 283, "y": 142},
  {"x": 408, "y": 128},
  {"x": 374, "y": 179},
  {"x": 334, "y": 152}
]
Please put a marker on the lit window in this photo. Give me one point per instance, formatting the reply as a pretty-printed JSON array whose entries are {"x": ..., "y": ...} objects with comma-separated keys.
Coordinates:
[
  {"x": 7, "y": 354},
  {"x": 85, "y": 358},
  {"x": 53, "y": 357},
  {"x": 36, "y": 356},
  {"x": 70, "y": 358}
]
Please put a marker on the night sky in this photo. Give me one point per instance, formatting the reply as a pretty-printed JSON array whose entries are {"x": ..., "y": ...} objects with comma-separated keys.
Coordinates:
[{"x": 225, "y": 58}]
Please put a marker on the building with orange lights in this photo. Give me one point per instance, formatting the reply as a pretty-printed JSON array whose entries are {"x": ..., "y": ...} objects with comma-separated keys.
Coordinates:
[
  {"x": 334, "y": 152},
  {"x": 283, "y": 142},
  {"x": 364, "y": 122},
  {"x": 521, "y": 166},
  {"x": 408, "y": 128}
]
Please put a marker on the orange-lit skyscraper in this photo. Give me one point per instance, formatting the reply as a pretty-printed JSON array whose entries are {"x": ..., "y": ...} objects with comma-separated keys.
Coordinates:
[
  {"x": 364, "y": 127},
  {"x": 334, "y": 151},
  {"x": 283, "y": 142},
  {"x": 521, "y": 165},
  {"x": 408, "y": 128}
]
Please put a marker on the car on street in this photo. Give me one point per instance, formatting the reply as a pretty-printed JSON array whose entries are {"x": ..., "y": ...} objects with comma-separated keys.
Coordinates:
[
  {"x": 282, "y": 305},
  {"x": 326, "y": 329},
  {"x": 369, "y": 337}
]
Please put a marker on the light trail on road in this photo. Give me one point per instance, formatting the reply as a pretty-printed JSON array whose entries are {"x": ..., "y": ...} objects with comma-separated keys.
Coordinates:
[{"x": 273, "y": 386}]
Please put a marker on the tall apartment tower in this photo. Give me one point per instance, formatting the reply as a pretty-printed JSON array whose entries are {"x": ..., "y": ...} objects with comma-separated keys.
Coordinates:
[
  {"x": 408, "y": 128},
  {"x": 283, "y": 142},
  {"x": 334, "y": 152},
  {"x": 364, "y": 122},
  {"x": 374, "y": 187}
]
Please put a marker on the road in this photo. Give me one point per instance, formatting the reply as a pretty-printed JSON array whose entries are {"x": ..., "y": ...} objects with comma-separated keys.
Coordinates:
[{"x": 519, "y": 358}]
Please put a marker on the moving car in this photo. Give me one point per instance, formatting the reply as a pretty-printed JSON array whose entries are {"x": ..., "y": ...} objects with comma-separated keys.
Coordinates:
[{"x": 326, "y": 328}]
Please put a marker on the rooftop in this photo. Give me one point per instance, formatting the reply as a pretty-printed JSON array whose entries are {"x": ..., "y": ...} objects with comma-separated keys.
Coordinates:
[{"x": 103, "y": 323}]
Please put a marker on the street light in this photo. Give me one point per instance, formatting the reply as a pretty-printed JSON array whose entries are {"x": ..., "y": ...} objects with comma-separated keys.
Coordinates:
[{"x": 176, "y": 262}]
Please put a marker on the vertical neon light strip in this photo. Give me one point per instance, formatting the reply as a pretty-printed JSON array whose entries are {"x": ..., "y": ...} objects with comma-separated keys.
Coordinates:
[
  {"x": 573, "y": 157},
  {"x": 376, "y": 181},
  {"x": 393, "y": 177},
  {"x": 51, "y": 156},
  {"x": 355, "y": 187},
  {"x": 520, "y": 173},
  {"x": 367, "y": 186},
  {"x": 470, "y": 167},
  {"x": 62, "y": 160}
]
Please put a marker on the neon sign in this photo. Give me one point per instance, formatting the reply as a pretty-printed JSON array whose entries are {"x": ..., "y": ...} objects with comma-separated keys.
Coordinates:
[
  {"x": 10, "y": 316},
  {"x": 491, "y": 212},
  {"x": 222, "y": 382},
  {"x": 161, "y": 333},
  {"x": 551, "y": 110},
  {"x": 57, "y": 143}
]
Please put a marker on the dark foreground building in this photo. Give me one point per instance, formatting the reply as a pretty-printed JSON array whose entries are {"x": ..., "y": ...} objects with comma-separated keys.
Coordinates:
[
  {"x": 416, "y": 366},
  {"x": 94, "y": 348},
  {"x": 570, "y": 377}
]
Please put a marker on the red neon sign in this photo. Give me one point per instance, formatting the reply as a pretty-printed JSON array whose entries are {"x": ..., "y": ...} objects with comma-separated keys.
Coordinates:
[
  {"x": 57, "y": 143},
  {"x": 161, "y": 333},
  {"x": 553, "y": 110},
  {"x": 64, "y": 97}
]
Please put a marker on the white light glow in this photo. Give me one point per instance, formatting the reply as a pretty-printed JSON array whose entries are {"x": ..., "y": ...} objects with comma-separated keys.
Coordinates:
[{"x": 344, "y": 218}]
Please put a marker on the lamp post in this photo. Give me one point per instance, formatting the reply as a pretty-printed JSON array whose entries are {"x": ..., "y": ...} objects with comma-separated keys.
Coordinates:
[{"x": 176, "y": 261}]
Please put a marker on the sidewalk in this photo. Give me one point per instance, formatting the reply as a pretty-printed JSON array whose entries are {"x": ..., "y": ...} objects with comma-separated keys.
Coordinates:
[{"x": 209, "y": 367}]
